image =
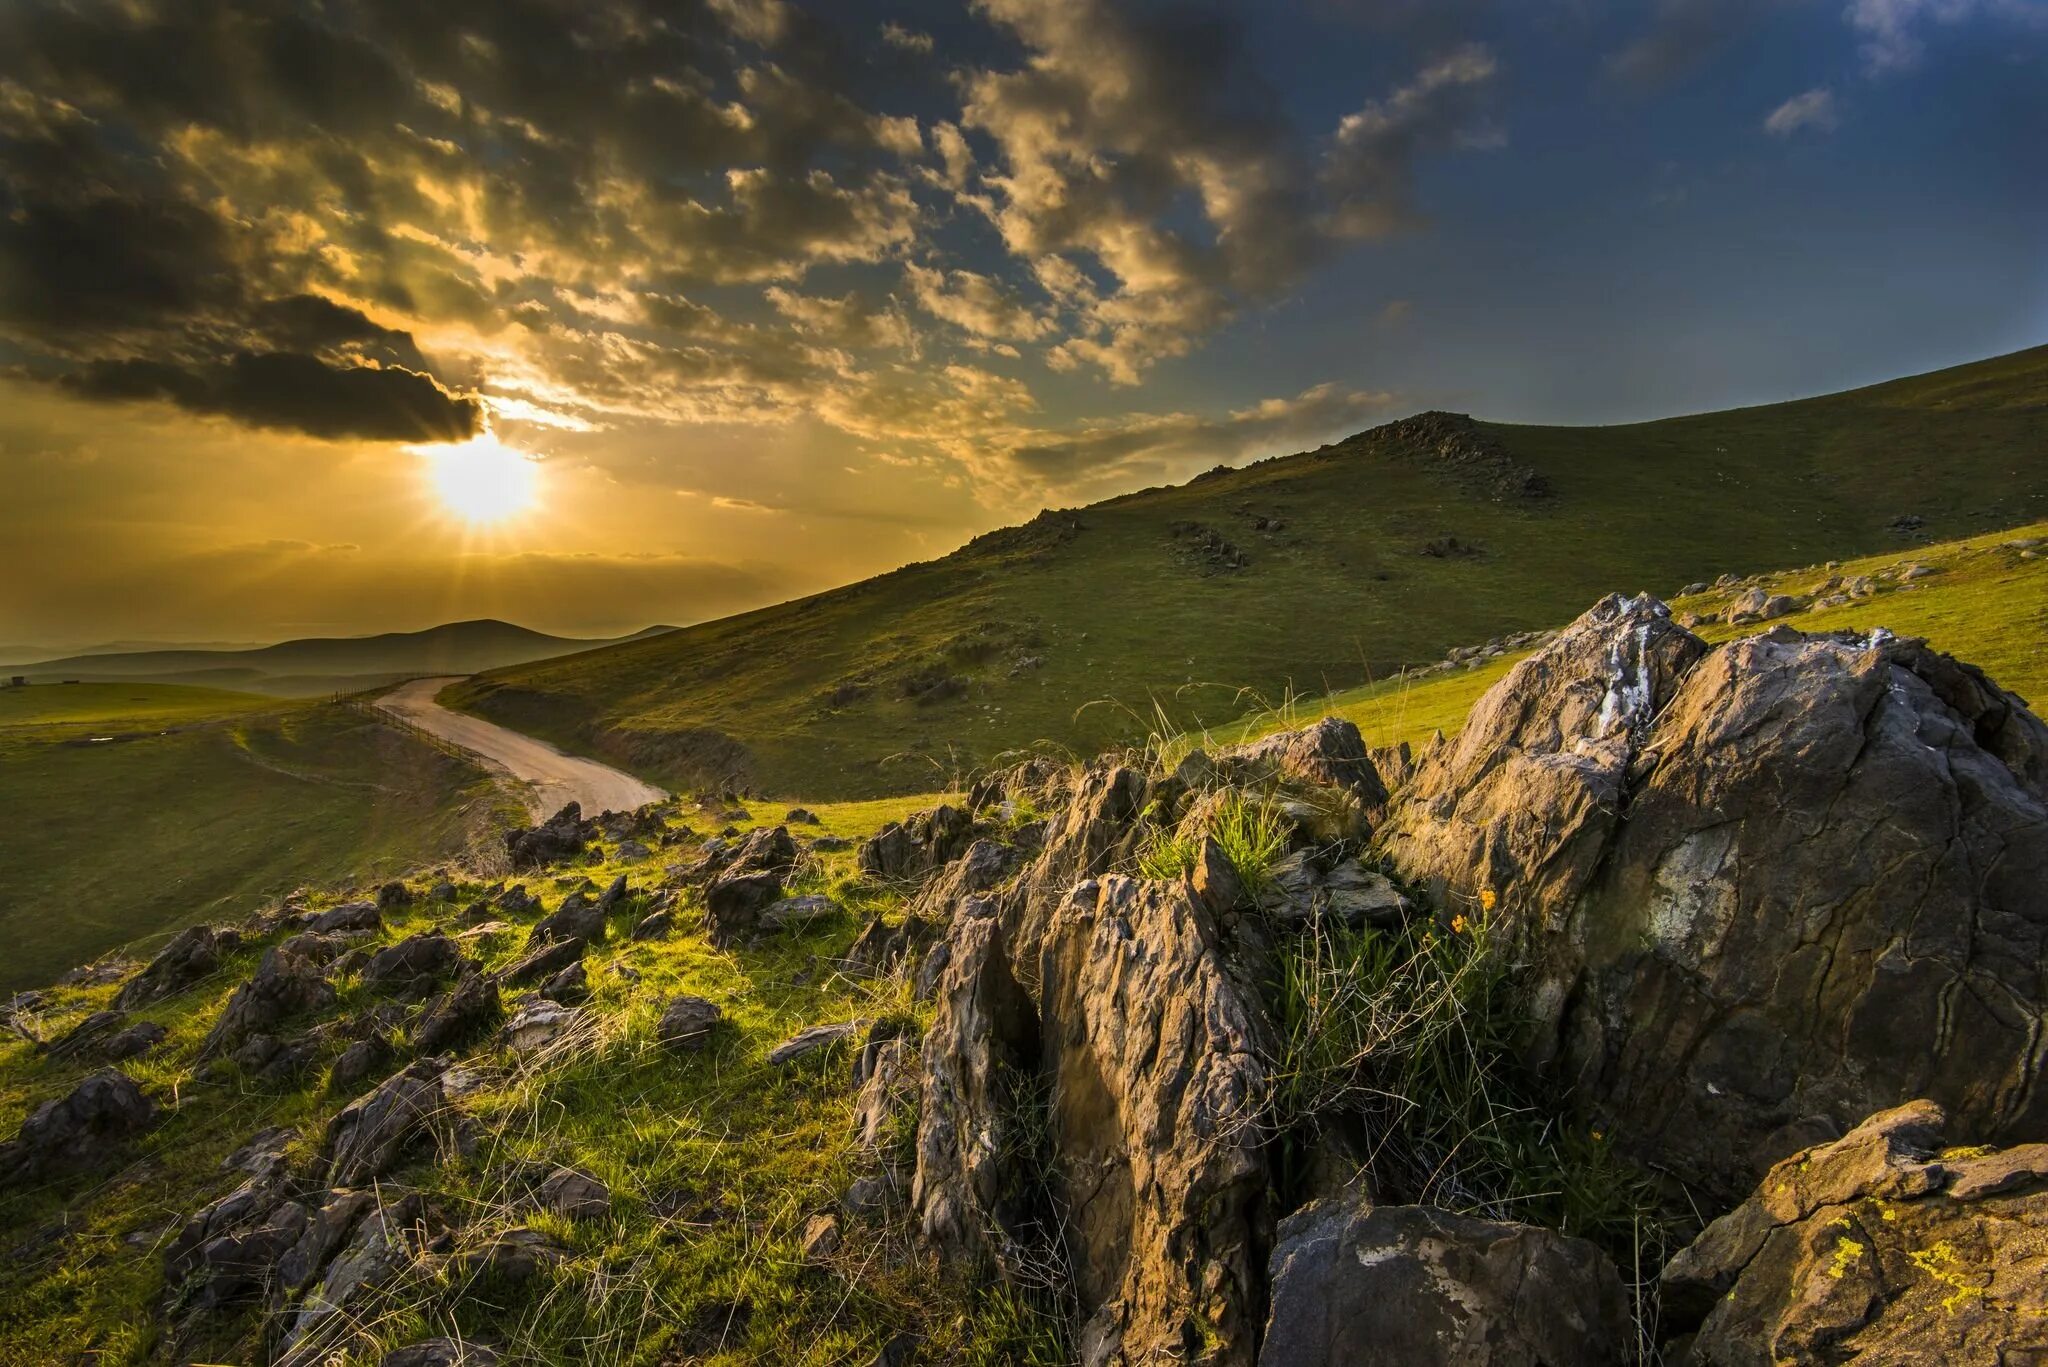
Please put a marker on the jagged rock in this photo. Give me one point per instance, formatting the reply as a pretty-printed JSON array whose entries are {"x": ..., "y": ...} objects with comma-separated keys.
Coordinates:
[
  {"x": 383, "y": 1246},
  {"x": 348, "y": 917},
  {"x": 1828, "y": 893},
  {"x": 561, "y": 837},
  {"x": 574, "y": 1195},
  {"x": 194, "y": 953},
  {"x": 983, "y": 866},
  {"x": 810, "y": 1041},
  {"x": 88, "y": 1038},
  {"x": 81, "y": 1129},
  {"x": 509, "y": 1259},
  {"x": 262, "y": 1154},
  {"x": 734, "y": 903},
  {"x": 821, "y": 1237},
  {"x": 287, "y": 983},
  {"x": 1095, "y": 830},
  {"x": 361, "y": 1061},
  {"x": 570, "y": 987},
  {"x": 578, "y": 918},
  {"x": 517, "y": 901},
  {"x": 99, "y": 972},
  {"x": 373, "y": 1133},
  {"x": 459, "y": 1015},
  {"x": 796, "y": 913},
  {"x": 655, "y": 926},
  {"x": 440, "y": 1353},
  {"x": 924, "y": 842},
  {"x": 615, "y": 893},
  {"x": 687, "y": 1022},
  {"x": 1881, "y": 1246},
  {"x": 414, "y": 965},
  {"x": 881, "y": 946},
  {"x": 887, "y": 1079},
  {"x": 1157, "y": 1040},
  {"x": 543, "y": 963},
  {"x": 539, "y": 1024},
  {"x": 1357, "y": 896},
  {"x": 273, "y": 1061},
  {"x": 1354, "y": 1283},
  {"x": 979, "y": 1055},
  {"x": 1328, "y": 754},
  {"x": 133, "y": 1042}
]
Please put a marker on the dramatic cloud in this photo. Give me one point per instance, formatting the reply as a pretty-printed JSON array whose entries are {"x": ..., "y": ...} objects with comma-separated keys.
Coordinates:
[
  {"x": 1116, "y": 119},
  {"x": 1814, "y": 109}
]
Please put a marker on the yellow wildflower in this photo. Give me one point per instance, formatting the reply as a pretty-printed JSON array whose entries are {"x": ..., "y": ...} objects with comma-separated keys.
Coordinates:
[
  {"x": 1457, "y": 925},
  {"x": 1487, "y": 899}
]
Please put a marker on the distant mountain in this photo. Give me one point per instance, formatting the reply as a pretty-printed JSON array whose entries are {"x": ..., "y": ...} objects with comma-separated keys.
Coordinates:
[{"x": 316, "y": 665}]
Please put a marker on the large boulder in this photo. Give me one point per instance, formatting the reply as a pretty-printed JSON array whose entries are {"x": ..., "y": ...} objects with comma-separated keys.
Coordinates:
[
  {"x": 290, "y": 981},
  {"x": 1096, "y": 828},
  {"x": 1763, "y": 891},
  {"x": 79, "y": 1130},
  {"x": 1883, "y": 1246},
  {"x": 1353, "y": 1283},
  {"x": 1157, "y": 1043},
  {"x": 194, "y": 953}
]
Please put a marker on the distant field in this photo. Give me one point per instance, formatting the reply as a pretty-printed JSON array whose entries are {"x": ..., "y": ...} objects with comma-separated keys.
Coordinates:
[
  {"x": 129, "y": 704},
  {"x": 201, "y": 803},
  {"x": 1344, "y": 564}
]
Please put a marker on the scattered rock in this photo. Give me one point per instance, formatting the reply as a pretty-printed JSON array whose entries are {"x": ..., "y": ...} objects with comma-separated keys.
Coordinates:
[
  {"x": 561, "y": 837},
  {"x": 578, "y": 918},
  {"x": 799, "y": 816},
  {"x": 194, "y": 953},
  {"x": 574, "y": 1195},
  {"x": 373, "y": 1133},
  {"x": 382, "y": 1247},
  {"x": 394, "y": 896},
  {"x": 655, "y": 926},
  {"x": 1352, "y": 1282},
  {"x": 807, "y": 1042},
  {"x": 347, "y": 918},
  {"x": 1329, "y": 753},
  {"x": 570, "y": 987},
  {"x": 796, "y": 913},
  {"x": 821, "y": 1238},
  {"x": 687, "y": 1023},
  {"x": 539, "y": 1024},
  {"x": 510, "y": 1259},
  {"x": 287, "y": 983},
  {"x": 461, "y": 1014},
  {"x": 82, "y": 1129},
  {"x": 361, "y": 1061},
  {"x": 907, "y": 849},
  {"x": 440, "y": 1353},
  {"x": 414, "y": 965},
  {"x": 1881, "y": 1246}
]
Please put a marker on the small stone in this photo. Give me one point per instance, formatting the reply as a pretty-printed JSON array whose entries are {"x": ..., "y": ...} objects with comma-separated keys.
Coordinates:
[
  {"x": 821, "y": 1237},
  {"x": 687, "y": 1023}
]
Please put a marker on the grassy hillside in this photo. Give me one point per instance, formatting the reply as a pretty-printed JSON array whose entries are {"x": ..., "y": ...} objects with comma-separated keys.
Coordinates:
[
  {"x": 1309, "y": 573},
  {"x": 136, "y": 809},
  {"x": 317, "y": 665}
]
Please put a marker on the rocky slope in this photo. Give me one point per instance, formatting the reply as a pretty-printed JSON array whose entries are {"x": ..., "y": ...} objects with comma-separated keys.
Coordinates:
[{"x": 1293, "y": 1053}]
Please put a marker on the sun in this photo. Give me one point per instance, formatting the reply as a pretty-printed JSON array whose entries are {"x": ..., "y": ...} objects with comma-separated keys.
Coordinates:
[{"x": 482, "y": 480}]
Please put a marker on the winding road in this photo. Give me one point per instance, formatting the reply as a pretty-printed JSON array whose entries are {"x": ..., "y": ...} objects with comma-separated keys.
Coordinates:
[{"x": 552, "y": 778}]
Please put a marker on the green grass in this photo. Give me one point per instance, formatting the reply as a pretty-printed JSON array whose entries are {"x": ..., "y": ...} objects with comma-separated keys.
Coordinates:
[
  {"x": 131, "y": 705},
  {"x": 197, "y": 805},
  {"x": 715, "y": 1162},
  {"x": 812, "y": 699}
]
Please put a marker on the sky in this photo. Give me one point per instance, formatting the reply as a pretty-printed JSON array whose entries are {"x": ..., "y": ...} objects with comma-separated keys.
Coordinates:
[{"x": 342, "y": 316}]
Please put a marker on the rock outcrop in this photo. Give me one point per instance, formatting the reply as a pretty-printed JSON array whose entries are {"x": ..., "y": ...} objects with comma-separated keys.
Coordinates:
[
  {"x": 79, "y": 1130},
  {"x": 1355, "y": 1283},
  {"x": 378, "y": 1130},
  {"x": 289, "y": 982},
  {"x": 1765, "y": 890},
  {"x": 1158, "y": 1049},
  {"x": 1883, "y": 1246},
  {"x": 193, "y": 954},
  {"x": 562, "y": 836}
]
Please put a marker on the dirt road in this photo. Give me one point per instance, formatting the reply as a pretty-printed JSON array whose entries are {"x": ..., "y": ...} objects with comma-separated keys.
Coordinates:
[{"x": 553, "y": 779}]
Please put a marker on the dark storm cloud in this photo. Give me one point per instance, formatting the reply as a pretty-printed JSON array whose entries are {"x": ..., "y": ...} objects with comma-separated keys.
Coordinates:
[{"x": 293, "y": 392}]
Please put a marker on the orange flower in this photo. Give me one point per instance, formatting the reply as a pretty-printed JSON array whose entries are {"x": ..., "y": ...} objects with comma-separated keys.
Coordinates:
[
  {"x": 1457, "y": 925},
  {"x": 1487, "y": 900}
]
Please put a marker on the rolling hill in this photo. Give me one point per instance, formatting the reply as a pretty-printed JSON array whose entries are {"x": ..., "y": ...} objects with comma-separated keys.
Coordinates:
[
  {"x": 1307, "y": 573},
  {"x": 317, "y": 665}
]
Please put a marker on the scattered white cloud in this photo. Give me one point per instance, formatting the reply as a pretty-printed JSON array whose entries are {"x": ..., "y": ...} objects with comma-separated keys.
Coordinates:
[{"x": 1813, "y": 110}]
